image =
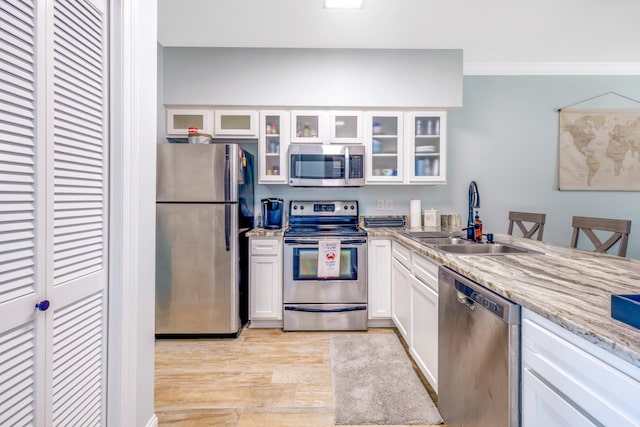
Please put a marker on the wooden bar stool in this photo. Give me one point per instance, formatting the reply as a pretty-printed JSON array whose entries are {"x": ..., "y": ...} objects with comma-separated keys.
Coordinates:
[
  {"x": 619, "y": 227},
  {"x": 519, "y": 218}
]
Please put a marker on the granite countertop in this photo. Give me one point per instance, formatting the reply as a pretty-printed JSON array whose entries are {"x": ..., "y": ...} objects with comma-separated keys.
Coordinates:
[
  {"x": 265, "y": 232},
  {"x": 570, "y": 287}
]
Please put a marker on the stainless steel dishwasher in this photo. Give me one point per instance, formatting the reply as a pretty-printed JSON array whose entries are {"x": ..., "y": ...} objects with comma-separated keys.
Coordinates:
[{"x": 478, "y": 354}]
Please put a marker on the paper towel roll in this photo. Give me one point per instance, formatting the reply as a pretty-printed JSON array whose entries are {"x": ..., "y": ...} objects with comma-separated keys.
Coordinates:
[{"x": 414, "y": 214}]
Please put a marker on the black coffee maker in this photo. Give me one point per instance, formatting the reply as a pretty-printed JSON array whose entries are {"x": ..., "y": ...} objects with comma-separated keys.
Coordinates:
[{"x": 272, "y": 213}]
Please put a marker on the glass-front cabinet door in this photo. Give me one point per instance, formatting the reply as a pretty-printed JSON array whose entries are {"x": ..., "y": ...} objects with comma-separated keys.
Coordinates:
[
  {"x": 426, "y": 146},
  {"x": 179, "y": 120},
  {"x": 384, "y": 140},
  {"x": 326, "y": 127},
  {"x": 346, "y": 127},
  {"x": 272, "y": 147},
  {"x": 310, "y": 126},
  {"x": 239, "y": 123}
]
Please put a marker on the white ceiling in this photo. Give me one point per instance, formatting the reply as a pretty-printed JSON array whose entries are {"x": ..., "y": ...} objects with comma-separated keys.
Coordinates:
[{"x": 496, "y": 36}]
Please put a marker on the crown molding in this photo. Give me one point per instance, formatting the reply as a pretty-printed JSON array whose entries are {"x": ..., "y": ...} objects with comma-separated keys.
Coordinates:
[{"x": 551, "y": 68}]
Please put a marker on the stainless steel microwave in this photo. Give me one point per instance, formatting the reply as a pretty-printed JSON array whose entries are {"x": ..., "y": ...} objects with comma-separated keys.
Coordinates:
[{"x": 315, "y": 165}]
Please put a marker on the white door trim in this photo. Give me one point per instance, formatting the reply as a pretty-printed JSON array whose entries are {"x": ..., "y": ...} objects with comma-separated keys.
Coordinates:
[{"x": 132, "y": 214}]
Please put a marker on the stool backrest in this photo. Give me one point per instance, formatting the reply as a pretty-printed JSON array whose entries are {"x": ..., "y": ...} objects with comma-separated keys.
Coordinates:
[
  {"x": 619, "y": 228},
  {"x": 535, "y": 220}
]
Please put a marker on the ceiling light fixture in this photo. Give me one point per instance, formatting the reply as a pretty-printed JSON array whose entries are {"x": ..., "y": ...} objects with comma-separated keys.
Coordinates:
[{"x": 343, "y": 4}]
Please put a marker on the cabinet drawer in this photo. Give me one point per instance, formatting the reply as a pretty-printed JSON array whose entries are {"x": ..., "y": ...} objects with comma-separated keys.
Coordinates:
[
  {"x": 543, "y": 406},
  {"x": 402, "y": 254},
  {"x": 607, "y": 394},
  {"x": 265, "y": 246},
  {"x": 425, "y": 270}
]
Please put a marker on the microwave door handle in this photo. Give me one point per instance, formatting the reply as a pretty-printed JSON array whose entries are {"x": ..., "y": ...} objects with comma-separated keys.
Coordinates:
[{"x": 346, "y": 165}]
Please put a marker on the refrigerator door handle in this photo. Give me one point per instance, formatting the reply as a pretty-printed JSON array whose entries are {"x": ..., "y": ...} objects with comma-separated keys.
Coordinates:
[
  {"x": 227, "y": 174},
  {"x": 227, "y": 226}
]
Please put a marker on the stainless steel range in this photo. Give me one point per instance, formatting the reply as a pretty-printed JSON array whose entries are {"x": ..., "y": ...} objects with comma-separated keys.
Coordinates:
[{"x": 325, "y": 267}]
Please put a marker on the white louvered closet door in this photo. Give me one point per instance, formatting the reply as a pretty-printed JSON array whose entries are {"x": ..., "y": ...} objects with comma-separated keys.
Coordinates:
[
  {"x": 53, "y": 218},
  {"x": 22, "y": 272},
  {"x": 77, "y": 198}
]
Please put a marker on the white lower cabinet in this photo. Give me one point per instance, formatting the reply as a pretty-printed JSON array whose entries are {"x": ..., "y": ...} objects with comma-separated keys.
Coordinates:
[
  {"x": 265, "y": 282},
  {"x": 379, "y": 279},
  {"x": 414, "y": 307},
  {"x": 543, "y": 406},
  {"x": 568, "y": 381},
  {"x": 424, "y": 317},
  {"x": 401, "y": 298}
]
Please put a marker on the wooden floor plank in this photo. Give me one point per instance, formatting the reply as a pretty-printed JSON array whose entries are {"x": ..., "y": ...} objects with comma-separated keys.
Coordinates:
[{"x": 265, "y": 377}]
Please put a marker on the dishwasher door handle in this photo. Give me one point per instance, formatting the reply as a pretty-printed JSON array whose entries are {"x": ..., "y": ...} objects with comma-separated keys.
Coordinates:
[{"x": 465, "y": 300}]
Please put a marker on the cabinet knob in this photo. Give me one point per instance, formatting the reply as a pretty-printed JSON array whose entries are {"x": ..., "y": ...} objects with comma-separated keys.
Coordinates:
[{"x": 43, "y": 305}]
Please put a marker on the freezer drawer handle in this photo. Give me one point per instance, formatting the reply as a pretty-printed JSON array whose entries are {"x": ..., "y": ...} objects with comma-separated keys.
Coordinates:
[{"x": 324, "y": 310}]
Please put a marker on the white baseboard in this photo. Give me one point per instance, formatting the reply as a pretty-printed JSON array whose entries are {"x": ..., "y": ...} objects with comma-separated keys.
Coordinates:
[
  {"x": 255, "y": 324},
  {"x": 380, "y": 323}
]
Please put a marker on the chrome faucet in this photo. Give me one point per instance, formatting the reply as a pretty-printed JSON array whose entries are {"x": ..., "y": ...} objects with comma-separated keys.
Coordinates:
[{"x": 474, "y": 202}]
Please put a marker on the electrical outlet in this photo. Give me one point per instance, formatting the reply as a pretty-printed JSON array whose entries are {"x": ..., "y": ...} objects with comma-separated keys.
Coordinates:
[
  {"x": 388, "y": 205},
  {"x": 380, "y": 205}
]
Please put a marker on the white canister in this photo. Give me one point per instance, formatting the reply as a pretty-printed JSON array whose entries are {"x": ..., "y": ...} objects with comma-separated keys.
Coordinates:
[
  {"x": 431, "y": 218},
  {"x": 414, "y": 213}
]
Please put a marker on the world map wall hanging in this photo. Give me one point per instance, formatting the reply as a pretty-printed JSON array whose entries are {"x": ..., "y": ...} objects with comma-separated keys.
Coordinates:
[{"x": 599, "y": 150}]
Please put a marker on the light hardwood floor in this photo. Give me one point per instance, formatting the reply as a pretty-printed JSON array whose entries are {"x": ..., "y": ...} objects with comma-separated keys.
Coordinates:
[{"x": 265, "y": 377}]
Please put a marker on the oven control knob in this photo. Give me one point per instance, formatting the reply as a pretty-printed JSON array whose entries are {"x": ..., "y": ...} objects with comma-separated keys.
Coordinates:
[
  {"x": 346, "y": 207},
  {"x": 295, "y": 207},
  {"x": 302, "y": 208},
  {"x": 352, "y": 207}
]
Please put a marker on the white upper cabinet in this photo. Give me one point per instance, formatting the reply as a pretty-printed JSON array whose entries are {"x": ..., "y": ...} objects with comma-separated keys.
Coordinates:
[
  {"x": 346, "y": 127},
  {"x": 326, "y": 127},
  {"x": 426, "y": 146},
  {"x": 220, "y": 123},
  {"x": 272, "y": 147},
  {"x": 310, "y": 126},
  {"x": 406, "y": 148},
  {"x": 179, "y": 120},
  {"x": 236, "y": 123},
  {"x": 384, "y": 140}
]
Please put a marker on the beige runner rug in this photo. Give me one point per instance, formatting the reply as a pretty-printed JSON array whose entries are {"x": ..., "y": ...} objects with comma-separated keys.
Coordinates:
[{"x": 374, "y": 382}]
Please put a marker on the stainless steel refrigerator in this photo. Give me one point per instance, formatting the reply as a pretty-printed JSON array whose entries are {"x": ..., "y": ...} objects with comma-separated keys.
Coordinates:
[{"x": 204, "y": 206}]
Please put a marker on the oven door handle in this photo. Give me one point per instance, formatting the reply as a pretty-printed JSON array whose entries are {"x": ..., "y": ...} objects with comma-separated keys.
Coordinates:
[
  {"x": 301, "y": 242},
  {"x": 326, "y": 310},
  {"x": 353, "y": 242},
  {"x": 315, "y": 242}
]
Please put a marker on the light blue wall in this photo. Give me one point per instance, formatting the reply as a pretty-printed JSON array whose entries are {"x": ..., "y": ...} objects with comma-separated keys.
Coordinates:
[{"x": 506, "y": 139}]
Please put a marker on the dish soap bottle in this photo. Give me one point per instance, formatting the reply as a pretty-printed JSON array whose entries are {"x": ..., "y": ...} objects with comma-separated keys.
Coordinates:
[{"x": 478, "y": 227}]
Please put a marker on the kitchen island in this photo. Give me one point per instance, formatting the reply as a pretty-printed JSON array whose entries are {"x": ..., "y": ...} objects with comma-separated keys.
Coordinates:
[{"x": 570, "y": 287}]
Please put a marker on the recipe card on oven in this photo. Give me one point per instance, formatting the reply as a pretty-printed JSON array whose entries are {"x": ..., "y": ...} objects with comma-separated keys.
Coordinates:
[{"x": 329, "y": 258}]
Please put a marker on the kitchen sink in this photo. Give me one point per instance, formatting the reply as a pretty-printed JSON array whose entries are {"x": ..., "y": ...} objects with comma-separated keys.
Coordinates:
[
  {"x": 443, "y": 241},
  {"x": 432, "y": 234},
  {"x": 483, "y": 249},
  {"x": 453, "y": 242}
]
